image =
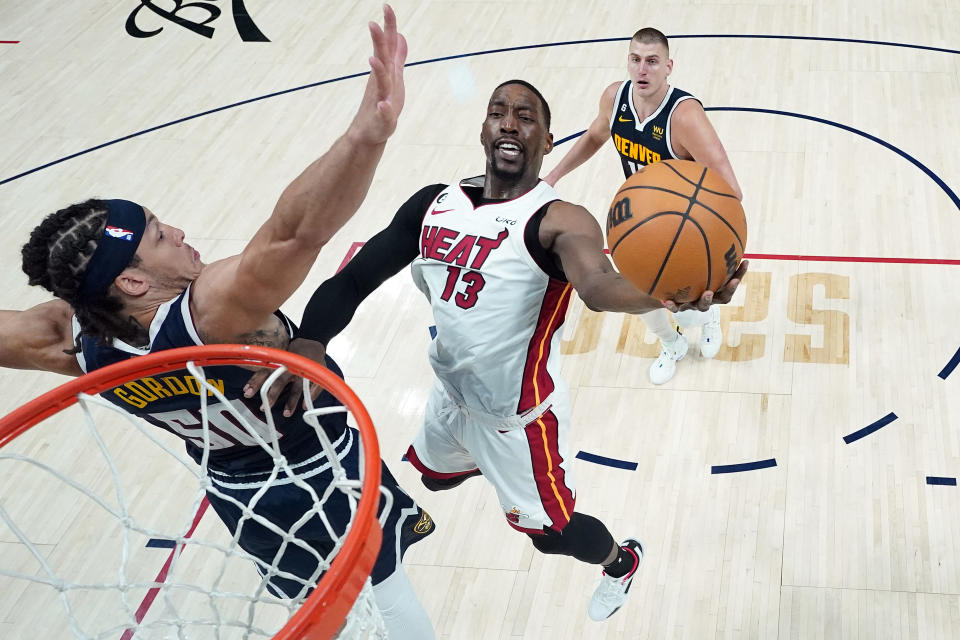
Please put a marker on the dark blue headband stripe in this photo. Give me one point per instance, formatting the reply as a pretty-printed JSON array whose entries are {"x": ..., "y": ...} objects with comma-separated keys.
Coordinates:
[{"x": 126, "y": 222}]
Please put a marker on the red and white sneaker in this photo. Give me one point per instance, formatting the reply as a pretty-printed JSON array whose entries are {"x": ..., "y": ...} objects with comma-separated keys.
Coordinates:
[{"x": 612, "y": 592}]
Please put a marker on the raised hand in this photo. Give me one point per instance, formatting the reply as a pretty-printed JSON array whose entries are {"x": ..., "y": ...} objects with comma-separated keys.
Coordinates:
[{"x": 384, "y": 96}]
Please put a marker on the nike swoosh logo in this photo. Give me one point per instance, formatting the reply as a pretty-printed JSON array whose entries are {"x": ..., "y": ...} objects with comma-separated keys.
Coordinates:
[
  {"x": 435, "y": 212},
  {"x": 621, "y": 119}
]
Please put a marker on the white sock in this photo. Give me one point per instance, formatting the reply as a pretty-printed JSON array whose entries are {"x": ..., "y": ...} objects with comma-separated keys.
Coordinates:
[
  {"x": 658, "y": 321},
  {"x": 401, "y": 610}
]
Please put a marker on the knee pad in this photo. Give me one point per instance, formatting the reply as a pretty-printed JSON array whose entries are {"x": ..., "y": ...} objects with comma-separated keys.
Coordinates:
[
  {"x": 549, "y": 542},
  {"x": 584, "y": 538}
]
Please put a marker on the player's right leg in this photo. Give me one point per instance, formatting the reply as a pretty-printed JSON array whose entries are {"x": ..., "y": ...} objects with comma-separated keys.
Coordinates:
[
  {"x": 402, "y": 612},
  {"x": 436, "y": 452},
  {"x": 673, "y": 346}
]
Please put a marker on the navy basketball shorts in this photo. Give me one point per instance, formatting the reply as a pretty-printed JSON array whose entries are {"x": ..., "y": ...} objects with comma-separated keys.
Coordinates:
[{"x": 284, "y": 504}]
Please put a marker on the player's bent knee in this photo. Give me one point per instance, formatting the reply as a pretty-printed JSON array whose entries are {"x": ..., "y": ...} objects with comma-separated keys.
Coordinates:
[
  {"x": 584, "y": 538},
  {"x": 549, "y": 542}
]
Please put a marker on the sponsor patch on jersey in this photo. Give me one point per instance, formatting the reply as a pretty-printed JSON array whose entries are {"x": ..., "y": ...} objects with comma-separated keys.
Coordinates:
[
  {"x": 657, "y": 133},
  {"x": 119, "y": 233}
]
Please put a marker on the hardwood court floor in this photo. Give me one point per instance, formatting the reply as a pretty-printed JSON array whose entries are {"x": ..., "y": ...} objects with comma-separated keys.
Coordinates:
[{"x": 843, "y": 150}]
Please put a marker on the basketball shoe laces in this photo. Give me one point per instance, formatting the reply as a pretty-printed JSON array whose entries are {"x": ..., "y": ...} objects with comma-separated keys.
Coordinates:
[{"x": 612, "y": 590}]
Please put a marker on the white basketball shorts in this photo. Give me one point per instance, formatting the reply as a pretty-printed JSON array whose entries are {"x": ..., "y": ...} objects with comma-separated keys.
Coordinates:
[{"x": 526, "y": 457}]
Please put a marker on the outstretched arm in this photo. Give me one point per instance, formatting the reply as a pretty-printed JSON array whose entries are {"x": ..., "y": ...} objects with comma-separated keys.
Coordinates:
[
  {"x": 238, "y": 294},
  {"x": 590, "y": 142},
  {"x": 39, "y": 338},
  {"x": 334, "y": 303},
  {"x": 572, "y": 234}
]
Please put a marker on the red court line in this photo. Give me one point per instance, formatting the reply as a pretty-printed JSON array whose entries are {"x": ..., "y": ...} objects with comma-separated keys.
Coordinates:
[
  {"x": 164, "y": 570},
  {"x": 805, "y": 258},
  {"x": 868, "y": 259},
  {"x": 350, "y": 252},
  {"x": 775, "y": 256},
  {"x": 9, "y": 42}
]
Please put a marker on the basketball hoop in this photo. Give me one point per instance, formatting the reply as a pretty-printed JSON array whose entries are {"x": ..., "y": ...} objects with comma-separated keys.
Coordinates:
[{"x": 326, "y": 612}]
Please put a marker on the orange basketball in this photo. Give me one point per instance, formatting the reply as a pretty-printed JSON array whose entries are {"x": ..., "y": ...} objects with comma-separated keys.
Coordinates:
[{"x": 676, "y": 229}]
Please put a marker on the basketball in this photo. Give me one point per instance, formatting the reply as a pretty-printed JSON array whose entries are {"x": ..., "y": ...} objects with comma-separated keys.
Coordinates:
[{"x": 676, "y": 229}]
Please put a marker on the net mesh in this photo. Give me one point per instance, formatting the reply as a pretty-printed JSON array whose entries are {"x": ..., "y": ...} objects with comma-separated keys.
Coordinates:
[{"x": 94, "y": 545}]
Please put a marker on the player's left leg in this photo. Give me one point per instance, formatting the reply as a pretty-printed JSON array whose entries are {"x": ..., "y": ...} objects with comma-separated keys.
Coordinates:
[
  {"x": 528, "y": 464},
  {"x": 588, "y": 540}
]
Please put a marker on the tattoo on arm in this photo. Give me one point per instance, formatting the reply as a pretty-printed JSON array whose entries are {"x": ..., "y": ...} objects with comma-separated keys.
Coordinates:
[{"x": 273, "y": 337}]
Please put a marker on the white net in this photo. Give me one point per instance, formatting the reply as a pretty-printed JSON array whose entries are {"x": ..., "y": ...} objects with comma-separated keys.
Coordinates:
[{"x": 103, "y": 534}]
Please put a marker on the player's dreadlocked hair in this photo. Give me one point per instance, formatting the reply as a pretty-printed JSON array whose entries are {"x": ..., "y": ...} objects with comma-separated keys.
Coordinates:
[{"x": 56, "y": 258}]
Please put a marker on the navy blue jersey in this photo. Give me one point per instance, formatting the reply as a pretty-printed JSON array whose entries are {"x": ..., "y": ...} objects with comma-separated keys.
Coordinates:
[
  {"x": 171, "y": 400},
  {"x": 643, "y": 142}
]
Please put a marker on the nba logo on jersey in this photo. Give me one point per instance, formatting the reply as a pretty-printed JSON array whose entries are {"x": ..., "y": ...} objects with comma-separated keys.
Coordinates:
[
  {"x": 117, "y": 232},
  {"x": 657, "y": 133}
]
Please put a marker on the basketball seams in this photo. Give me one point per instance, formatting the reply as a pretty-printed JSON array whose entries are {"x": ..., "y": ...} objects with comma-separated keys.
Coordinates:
[
  {"x": 654, "y": 188},
  {"x": 720, "y": 193},
  {"x": 658, "y": 201},
  {"x": 682, "y": 177},
  {"x": 724, "y": 221},
  {"x": 706, "y": 245},
  {"x": 641, "y": 223},
  {"x": 686, "y": 216}
]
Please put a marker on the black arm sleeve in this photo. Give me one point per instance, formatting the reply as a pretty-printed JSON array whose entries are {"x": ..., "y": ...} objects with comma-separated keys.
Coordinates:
[{"x": 336, "y": 300}]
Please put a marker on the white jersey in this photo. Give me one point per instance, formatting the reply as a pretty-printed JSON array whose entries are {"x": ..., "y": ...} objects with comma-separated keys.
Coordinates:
[{"x": 497, "y": 312}]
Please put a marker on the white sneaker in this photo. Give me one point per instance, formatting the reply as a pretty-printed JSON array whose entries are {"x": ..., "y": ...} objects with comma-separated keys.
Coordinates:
[
  {"x": 610, "y": 595},
  {"x": 711, "y": 334},
  {"x": 665, "y": 365}
]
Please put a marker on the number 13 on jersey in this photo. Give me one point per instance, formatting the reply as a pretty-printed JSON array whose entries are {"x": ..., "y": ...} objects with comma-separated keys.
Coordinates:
[{"x": 467, "y": 297}]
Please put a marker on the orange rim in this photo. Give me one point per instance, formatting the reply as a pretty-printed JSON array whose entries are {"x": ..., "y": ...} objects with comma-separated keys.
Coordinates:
[{"x": 323, "y": 613}]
